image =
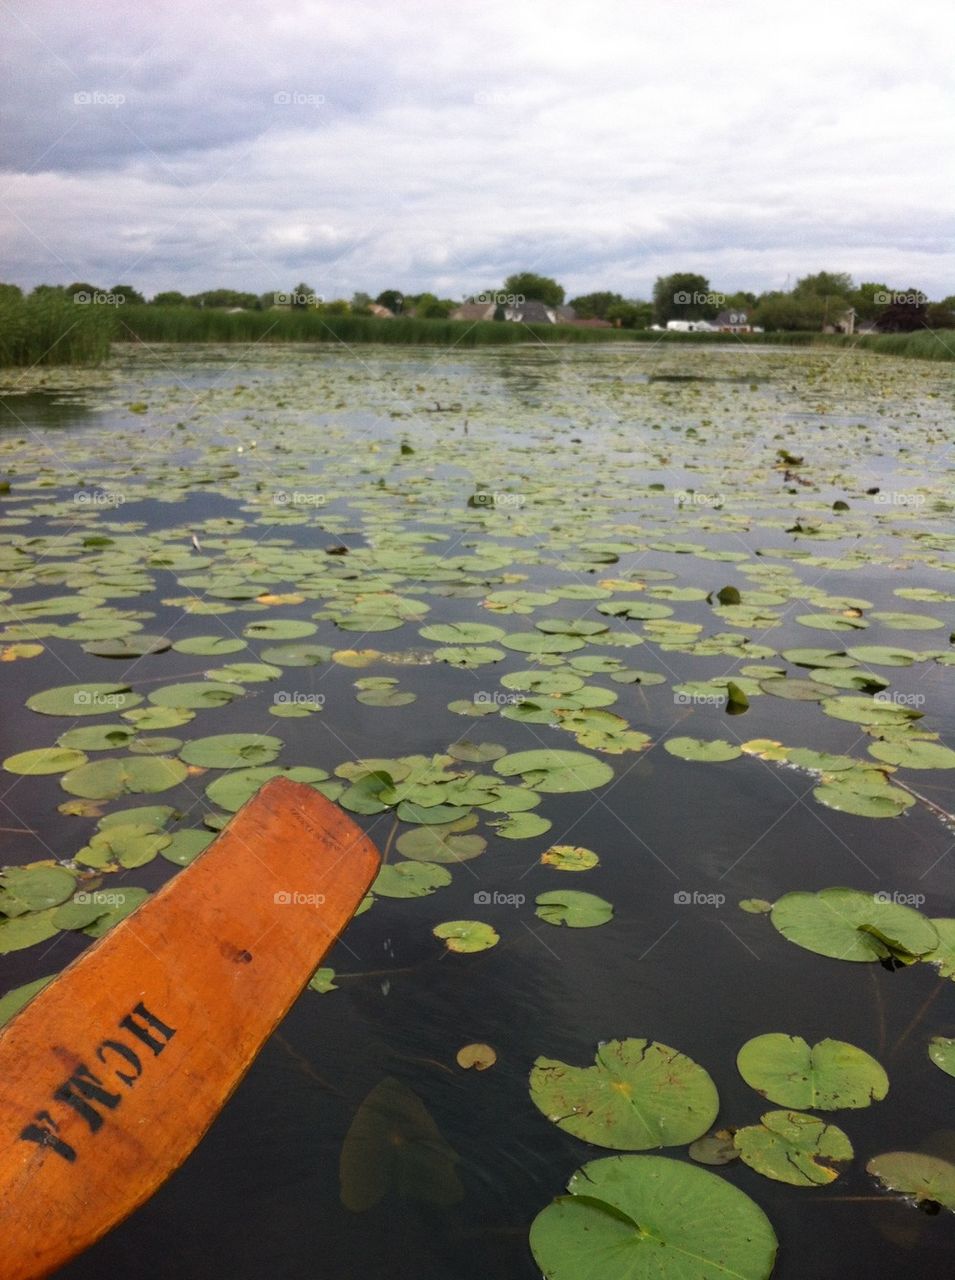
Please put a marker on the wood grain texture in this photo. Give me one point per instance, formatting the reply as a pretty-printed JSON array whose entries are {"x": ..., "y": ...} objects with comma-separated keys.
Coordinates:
[{"x": 112, "y": 1074}]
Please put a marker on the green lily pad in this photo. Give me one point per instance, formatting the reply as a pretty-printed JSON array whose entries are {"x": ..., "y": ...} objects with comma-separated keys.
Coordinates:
[
  {"x": 522, "y": 826},
  {"x": 232, "y": 790},
  {"x": 137, "y": 645},
  {"x": 25, "y": 931},
  {"x": 573, "y": 908},
  {"x": 186, "y": 845},
  {"x": 462, "y": 633},
  {"x": 410, "y": 879},
  {"x": 697, "y": 749},
  {"x": 882, "y": 655},
  {"x": 323, "y": 981},
  {"x": 941, "y": 1050},
  {"x": 926, "y": 1179},
  {"x": 638, "y": 1094},
  {"x": 25, "y": 889},
  {"x": 16, "y": 999},
  {"x": 442, "y": 843},
  {"x": 195, "y": 695},
  {"x": 943, "y": 955},
  {"x": 466, "y": 935},
  {"x": 829, "y": 1076},
  {"x": 210, "y": 646},
  {"x": 297, "y": 655},
  {"x": 847, "y": 924},
  {"x": 868, "y": 711},
  {"x": 914, "y": 755},
  {"x": 789, "y": 1146},
  {"x": 231, "y": 750},
  {"x": 84, "y": 700},
  {"x": 44, "y": 760},
  {"x": 555, "y": 771},
  {"x": 279, "y": 629},
  {"x": 128, "y": 775},
  {"x": 98, "y": 737},
  {"x": 651, "y": 1218}
]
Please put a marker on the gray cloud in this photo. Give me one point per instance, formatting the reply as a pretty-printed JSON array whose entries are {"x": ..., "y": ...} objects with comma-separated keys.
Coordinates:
[{"x": 418, "y": 146}]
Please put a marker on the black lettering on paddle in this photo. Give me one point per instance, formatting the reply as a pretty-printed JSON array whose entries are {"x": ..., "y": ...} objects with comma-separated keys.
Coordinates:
[
  {"x": 44, "y": 1135},
  {"x": 142, "y": 1033}
]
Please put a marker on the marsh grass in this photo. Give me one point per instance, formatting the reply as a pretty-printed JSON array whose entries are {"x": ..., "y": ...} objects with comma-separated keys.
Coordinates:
[{"x": 54, "y": 330}]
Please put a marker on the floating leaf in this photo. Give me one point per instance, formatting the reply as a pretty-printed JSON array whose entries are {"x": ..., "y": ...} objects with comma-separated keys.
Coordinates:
[
  {"x": 323, "y": 981},
  {"x": 466, "y": 935},
  {"x": 555, "y": 771},
  {"x": 714, "y": 1148},
  {"x": 128, "y": 775},
  {"x": 575, "y": 909},
  {"x": 569, "y": 857},
  {"x": 231, "y": 750},
  {"x": 638, "y": 1094},
  {"x": 24, "y": 889},
  {"x": 44, "y": 760},
  {"x": 440, "y": 843},
  {"x": 848, "y": 924},
  {"x": 84, "y": 700},
  {"x": 16, "y": 999},
  {"x": 698, "y": 749},
  {"x": 829, "y": 1076},
  {"x": 789, "y": 1146},
  {"x": 652, "y": 1218},
  {"x": 410, "y": 879},
  {"x": 927, "y": 1179},
  {"x": 476, "y": 1056},
  {"x": 194, "y": 696},
  {"x": 941, "y": 1050}
]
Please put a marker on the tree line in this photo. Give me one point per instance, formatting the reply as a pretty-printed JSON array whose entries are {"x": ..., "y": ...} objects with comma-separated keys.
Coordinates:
[{"x": 813, "y": 303}]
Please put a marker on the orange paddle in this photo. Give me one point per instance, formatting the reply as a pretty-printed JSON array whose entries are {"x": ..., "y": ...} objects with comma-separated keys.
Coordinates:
[{"x": 112, "y": 1073}]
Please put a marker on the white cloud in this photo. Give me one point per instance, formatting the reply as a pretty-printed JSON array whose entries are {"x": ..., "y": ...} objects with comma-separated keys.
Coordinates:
[{"x": 429, "y": 147}]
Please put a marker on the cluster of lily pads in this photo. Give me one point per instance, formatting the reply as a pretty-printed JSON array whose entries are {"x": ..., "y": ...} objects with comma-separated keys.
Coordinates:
[
  {"x": 515, "y": 554},
  {"x": 649, "y": 1215}
]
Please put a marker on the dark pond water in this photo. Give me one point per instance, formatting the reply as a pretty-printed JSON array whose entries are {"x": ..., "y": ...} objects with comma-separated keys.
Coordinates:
[{"x": 147, "y": 455}]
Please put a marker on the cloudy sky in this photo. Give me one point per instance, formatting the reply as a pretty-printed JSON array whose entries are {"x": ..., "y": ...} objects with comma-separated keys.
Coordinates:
[{"x": 420, "y": 144}]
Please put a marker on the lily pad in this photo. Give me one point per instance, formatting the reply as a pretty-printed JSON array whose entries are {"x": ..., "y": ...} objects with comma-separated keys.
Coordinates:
[
  {"x": 573, "y": 908},
  {"x": 639, "y": 1094},
  {"x": 410, "y": 879},
  {"x": 790, "y": 1146},
  {"x": 651, "y": 1218},
  {"x": 466, "y": 935},
  {"x": 16, "y": 999},
  {"x": 926, "y": 1179},
  {"x": 44, "y": 760},
  {"x": 847, "y": 924},
  {"x": 829, "y": 1076},
  {"x": 569, "y": 857},
  {"x": 440, "y": 843},
  {"x": 941, "y": 1050},
  {"x": 555, "y": 771},
  {"x": 698, "y": 749},
  {"x": 128, "y": 775},
  {"x": 231, "y": 750},
  {"x": 195, "y": 695},
  {"x": 84, "y": 700}
]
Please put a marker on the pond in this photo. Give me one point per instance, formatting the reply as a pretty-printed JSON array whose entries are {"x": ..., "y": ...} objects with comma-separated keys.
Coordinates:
[{"x": 722, "y": 579}]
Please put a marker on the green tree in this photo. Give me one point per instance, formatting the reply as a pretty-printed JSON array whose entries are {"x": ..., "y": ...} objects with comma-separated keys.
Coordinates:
[
  {"x": 360, "y": 303},
  {"x": 683, "y": 296},
  {"x": 825, "y": 284},
  {"x": 594, "y": 306},
  {"x": 130, "y": 295},
  {"x": 630, "y": 315},
  {"x": 869, "y": 299},
  {"x": 170, "y": 298},
  {"x": 81, "y": 286},
  {"x": 393, "y": 299},
  {"x": 10, "y": 293},
  {"x": 940, "y": 315},
  {"x": 302, "y": 297},
  {"x": 784, "y": 311},
  {"x": 430, "y": 307},
  {"x": 528, "y": 284}
]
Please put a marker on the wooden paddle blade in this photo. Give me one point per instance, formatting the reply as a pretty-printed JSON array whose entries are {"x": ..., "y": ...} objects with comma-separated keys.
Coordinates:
[{"x": 112, "y": 1074}]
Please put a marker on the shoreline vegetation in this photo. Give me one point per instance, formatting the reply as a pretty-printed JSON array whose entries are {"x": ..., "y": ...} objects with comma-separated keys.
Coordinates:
[{"x": 54, "y": 330}]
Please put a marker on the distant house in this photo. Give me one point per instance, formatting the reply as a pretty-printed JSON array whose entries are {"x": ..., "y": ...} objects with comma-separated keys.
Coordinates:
[
  {"x": 381, "y": 312},
  {"x": 733, "y": 322},
  {"x": 846, "y": 323},
  {"x": 474, "y": 311},
  {"x": 531, "y": 311},
  {"x": 690, "y": 326}
]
